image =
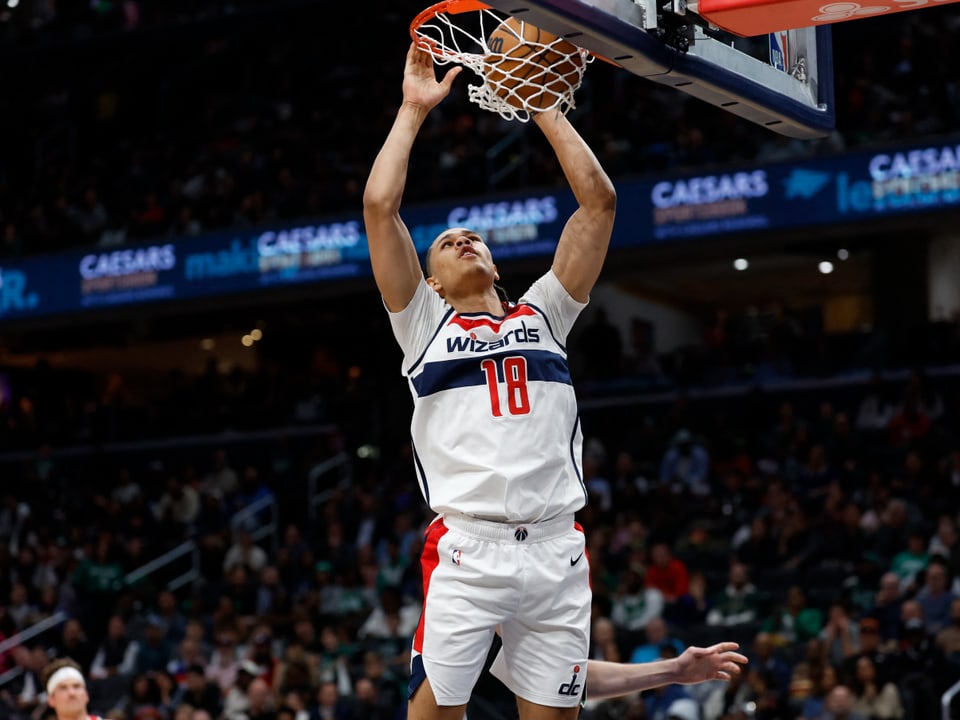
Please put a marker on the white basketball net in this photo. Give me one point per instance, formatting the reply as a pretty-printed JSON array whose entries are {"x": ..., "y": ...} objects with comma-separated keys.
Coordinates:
[{"x": 456, "y": 31}]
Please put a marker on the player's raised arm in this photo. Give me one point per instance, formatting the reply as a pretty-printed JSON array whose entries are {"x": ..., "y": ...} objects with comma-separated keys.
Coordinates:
[
  {"x": 586, "y": 236},
  {"x": 393, "y": 256}
]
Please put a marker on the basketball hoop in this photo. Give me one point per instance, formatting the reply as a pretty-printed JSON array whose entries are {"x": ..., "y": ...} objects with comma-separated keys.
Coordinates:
[{"x": 524, "y": 70}]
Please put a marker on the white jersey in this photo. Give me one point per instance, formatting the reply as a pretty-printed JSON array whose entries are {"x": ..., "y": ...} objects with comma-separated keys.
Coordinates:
[{"x": 496, "y": 431}]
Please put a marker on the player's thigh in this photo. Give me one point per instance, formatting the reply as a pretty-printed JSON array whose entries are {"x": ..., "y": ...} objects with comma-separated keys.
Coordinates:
[
  {"x": 546, "y": 644},
  {"x": 469, "y": 589},
  {"x": 534, "y": 711},
  {"x": 423, "y": 706}
]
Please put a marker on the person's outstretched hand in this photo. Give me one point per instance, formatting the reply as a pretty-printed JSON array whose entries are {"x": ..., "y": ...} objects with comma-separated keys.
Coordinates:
[
  {"x": 717, "y": 662},
  {"x": 420, "y": 85}
]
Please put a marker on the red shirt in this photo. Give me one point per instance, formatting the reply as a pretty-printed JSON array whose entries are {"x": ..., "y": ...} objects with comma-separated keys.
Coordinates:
[{"x": 672, "y": 580}]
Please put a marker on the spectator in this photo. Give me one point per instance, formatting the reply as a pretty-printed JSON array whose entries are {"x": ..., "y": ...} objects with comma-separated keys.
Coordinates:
[
  {"x": 225, "y": 658},
  {"x": 883, "y": 662},
  {"x": 155, "y": 651},
  {"x": 260, "y": 650},
  {"x": 169, "y": 613},
  {"x": 945, "y": 541},
  {"x": 912, "y": 560},
  {"x": 73, "y": 643},
  {"x": 840, "y": 635},
  {"x": 891, "y": 536},
  {"x": 755, "y": 546},
  {"x": 245, "y": 552},
  {"x": 199, "y": 692},
  {"x": 796, "y": 621},
  {"x": 178, "y": 507},
  {"x": 150, "y": 697},
  {"x": 222, "y": 478},
  {"x": 667, "y": 573},
  {"x": 368, "y": 705},
  {"x": 329, "y": 705},
  {"x": 635, "y": 604},
  {"x": 693, "y": 608},
  {"x": 948, "y": 638},
  {"x": 25, "y": 694},
  {"x": 841, "y": 705},
  {"x": 874, "y": 698},
  {"x": 97, "y": 580},
  {"x": 657, "y": 637},
  {"x": 188, "y": 652},
  {"x": 920, "y": 665},
  {"x": 738, "y": 602},
  {"x": 824, "y": 680},
  {"x": 117, "y": 654},
  {"x": 20, "y": 609},
  {"x": 910, "y": 425},
  {"x": 236, "y": 700},
  {"x": 877, "y": 408},
  {"x": 935, "y": 596},
  {"x": 603, "y": 640},
  {"x": 767, "y": 660},
  {"x": 887, "y": 605},
  {"x": 685, "y": 467},
  {"x": 391, "y": 624}
]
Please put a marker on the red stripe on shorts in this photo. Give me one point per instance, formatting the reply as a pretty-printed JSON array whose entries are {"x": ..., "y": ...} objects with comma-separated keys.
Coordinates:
[
  {"x": 577, "y": 526},
  {"x": 429, "y": 559}
]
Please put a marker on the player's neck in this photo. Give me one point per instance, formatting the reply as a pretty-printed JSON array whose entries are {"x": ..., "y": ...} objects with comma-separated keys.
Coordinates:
[
  {"x": 81, "y": 715},
  {"x": 486, "y": 301}
]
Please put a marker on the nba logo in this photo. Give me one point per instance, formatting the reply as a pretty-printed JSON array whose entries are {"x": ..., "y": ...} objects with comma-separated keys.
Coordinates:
[
  {"x": 456, "y": 556},
  {"x": 779, "y": 50}
]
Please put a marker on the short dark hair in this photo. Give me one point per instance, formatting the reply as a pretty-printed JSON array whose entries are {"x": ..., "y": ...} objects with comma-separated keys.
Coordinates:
[{"x": 58, "y": 664}]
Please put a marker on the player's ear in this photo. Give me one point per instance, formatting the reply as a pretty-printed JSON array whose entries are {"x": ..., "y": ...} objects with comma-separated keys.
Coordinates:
[
  {"x": 435, "y": 284},
  {"x": 496, "y": 275}
]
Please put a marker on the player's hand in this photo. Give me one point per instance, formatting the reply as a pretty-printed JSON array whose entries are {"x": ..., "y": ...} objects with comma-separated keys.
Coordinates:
[
  {"x": 717, "y": 662},
  {"x": 420, "y": 85}
]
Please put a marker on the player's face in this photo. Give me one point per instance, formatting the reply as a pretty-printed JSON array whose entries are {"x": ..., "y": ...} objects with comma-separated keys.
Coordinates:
[
  {"x": 69, "y": 699},
  {"x": 460, "y": 253}
]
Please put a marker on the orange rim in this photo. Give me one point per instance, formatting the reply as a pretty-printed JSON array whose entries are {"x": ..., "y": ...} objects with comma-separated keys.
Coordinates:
[{"x": 454, "y": 7}]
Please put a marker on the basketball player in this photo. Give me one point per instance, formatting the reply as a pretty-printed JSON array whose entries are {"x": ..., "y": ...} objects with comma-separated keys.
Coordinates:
[
  {"x": 66, "y": 690},
  {"x": 495, "y": 429}
]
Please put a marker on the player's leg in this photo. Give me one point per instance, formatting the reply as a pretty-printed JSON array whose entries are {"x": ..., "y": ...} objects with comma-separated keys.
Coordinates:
[
  {"x": 423, "y": 706},
  {"x": 532, "y": 711},
  {"x": 467, "y": 592}
]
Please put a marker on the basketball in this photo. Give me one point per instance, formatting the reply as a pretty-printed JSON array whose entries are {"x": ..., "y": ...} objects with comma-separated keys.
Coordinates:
[{"x": 529, "y": 67}]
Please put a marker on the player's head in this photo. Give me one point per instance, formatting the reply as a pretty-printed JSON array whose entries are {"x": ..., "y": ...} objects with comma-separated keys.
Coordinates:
[
  {"x": 66, "y": 688},
  {"x": 458, "y": 256}
]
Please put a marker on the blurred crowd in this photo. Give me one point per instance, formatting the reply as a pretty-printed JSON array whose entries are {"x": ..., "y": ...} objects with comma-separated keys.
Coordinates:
[
  {"x": 234, "y": 114},
  {"x": 817, "y": 527},
  {"x": 814, "y": 522}
]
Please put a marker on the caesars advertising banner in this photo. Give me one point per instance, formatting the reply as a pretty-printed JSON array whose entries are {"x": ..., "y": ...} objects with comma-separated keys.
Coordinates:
[{"x": 812, "y": 192}]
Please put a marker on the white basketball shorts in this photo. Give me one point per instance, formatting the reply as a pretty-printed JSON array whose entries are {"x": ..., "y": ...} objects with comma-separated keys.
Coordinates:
[{"x": 532, "y": 581}]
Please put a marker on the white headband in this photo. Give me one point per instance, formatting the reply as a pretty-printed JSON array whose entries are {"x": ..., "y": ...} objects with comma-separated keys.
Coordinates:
[{"x": 62, "y": 675}]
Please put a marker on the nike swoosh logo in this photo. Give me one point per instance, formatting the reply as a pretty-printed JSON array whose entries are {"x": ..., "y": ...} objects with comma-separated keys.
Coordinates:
[{"x": 574, "y": 561}]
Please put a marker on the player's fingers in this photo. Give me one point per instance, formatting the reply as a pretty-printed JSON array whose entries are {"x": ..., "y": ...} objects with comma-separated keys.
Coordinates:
[
  {"x": 732, "y": 667},
  {"x": 451, "y": 76},
  {"x": 724, "y": 647}
]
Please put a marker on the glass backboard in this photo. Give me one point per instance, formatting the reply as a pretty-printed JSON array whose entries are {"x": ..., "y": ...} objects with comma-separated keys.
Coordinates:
[{"x": 782, "y": 80}]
